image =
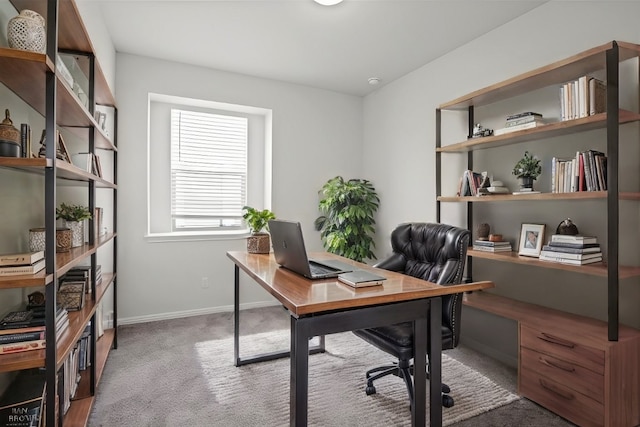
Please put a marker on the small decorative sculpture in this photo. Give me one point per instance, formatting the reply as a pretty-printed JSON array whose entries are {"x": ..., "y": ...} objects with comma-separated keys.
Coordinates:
[
  {"x": 567, "y": 227},
  {"x": 483, "y": 231},
  {"x": 479, "y": 131}
]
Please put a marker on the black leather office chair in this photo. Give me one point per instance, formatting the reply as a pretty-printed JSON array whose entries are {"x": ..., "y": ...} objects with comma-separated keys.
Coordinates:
[{"x": 433, "y": 252}]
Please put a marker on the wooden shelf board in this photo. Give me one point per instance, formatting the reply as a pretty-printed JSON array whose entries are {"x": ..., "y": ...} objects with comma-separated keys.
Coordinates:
[
  {"x": 597, "y": 121},
  {"x": 553, "y": 74},
  {"x": 77, "y": 323},
  {"x": 597, "y": 269},
  {"x": 73, "y": 36},
  {"x": 64, "y": 170},
  {"x": 579, "y": 195}
]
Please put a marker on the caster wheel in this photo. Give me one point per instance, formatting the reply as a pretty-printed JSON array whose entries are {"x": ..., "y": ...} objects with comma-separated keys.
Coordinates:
[
  {"x": 447, "y": 401},
  {"x": 370, "y": 390},
  {"x": 446, "y": 389}
]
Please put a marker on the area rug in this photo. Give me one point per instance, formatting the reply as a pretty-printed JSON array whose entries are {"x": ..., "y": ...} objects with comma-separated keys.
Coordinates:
[{"x": 200, "y": 386}]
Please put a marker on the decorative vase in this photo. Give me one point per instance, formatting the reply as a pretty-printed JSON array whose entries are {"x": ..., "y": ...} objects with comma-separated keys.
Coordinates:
[
  {"x": 483, "y": 231},
  {"x": 77, "y": 231},
  {"x": 526, "y": 182},
  {"x": 63, "y": 240},
  {"x": 259, "y": 243},
  {"x": 27, "y": 32},
  {"x": 9, "y": 137},
  {"x": 37, "y": 239}
]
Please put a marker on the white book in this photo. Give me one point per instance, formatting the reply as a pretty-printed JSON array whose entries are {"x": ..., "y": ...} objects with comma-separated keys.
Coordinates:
[
  {"x": 560, "y": 256},
  {"x": 571, "y": 261},
  {"x": 525, "y": 192},
  {"x": 22, "y": 269},
  {"x": 523, "y": 126},
  {"x": 566, "y": 238},
  {"x": 25, "y": 259}
]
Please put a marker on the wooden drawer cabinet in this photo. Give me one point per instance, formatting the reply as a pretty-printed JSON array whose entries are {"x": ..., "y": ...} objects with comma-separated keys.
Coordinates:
[
  {"x": 567, "y": 365},
  {"x": 561, "y": 398}
]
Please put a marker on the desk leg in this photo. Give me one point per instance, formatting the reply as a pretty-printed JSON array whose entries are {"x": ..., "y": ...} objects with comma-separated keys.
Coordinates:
[
  {"x": 435, "y": 363},
  {"x": 236, "y": 315},
  {"x": 298, "y": 397},
  {"x": 418, "y": 413}
]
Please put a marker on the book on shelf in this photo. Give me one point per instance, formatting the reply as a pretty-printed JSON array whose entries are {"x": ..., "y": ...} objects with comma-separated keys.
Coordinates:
[
  {"x": 597, "y": 96},
  {"x": 524, "y": 114},
  {"x": 27, "y": 258},
  {"x": 22, "y": 269},
  {"x": 570, "y": 249},
  {"x": 470, "y": 183},
  {"x": 492, "y": 249},
  {"x": 18, "y": 347},
  {"x": 525, "y": 191},
  {"x": 567, "y": 238},
  {"x": 497, "y": 190},
  {"x": 571, "y": 261},
  {"x": 83, "y": 160},
  {"x": 523, "y": 120},
  {"x": 21, "y": 337},
  {"x": 566, "y": 255},
  {"x": 522, "y": 126},
  {"x": 23, "y": 401},
  {"x": 21, "y": 330},
  {"x": 489, "y": 243}
]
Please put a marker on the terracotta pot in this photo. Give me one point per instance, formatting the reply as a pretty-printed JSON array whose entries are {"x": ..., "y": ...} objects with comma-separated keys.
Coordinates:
[{"x": 259, "y": 243}]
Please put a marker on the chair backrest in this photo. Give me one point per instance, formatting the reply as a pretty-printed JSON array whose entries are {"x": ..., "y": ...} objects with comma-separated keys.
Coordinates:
[{"x": 433, "y": 252}]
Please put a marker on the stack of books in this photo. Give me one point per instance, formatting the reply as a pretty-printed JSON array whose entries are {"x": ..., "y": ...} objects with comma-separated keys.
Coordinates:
[
  {"x": 521, "y": 121},
  {"x": 584, "y": 97},
  {"x": 21, "y": 331},
  {"x": 488, "y": 246},
  {"x": 19, "y": 264},
  {"x": 573, "y": 250}
]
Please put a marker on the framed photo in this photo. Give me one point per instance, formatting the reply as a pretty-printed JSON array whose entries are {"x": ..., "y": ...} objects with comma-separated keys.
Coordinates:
[{"x": 531, "y": 239}]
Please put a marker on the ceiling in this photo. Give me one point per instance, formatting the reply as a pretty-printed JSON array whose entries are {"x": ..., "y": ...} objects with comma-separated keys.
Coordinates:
[{"x": 336, "y": 48}]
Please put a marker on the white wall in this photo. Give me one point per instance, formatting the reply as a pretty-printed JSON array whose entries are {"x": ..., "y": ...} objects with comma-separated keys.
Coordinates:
[
  {"x": 317, "y": 135},
  {"x": 399, "y": 149}
]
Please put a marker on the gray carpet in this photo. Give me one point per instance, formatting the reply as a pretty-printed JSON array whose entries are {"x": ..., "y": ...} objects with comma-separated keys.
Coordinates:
[{"x": 180, "y": 373}]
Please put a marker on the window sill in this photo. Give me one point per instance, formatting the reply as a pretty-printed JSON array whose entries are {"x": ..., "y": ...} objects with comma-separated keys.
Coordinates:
[{"x": 194, "y": 236}]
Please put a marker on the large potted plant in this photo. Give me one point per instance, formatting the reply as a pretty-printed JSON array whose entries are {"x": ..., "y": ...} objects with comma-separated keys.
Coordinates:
[
  {"x": 347, "y": 224},
  {"x": 527, "y": 169},
  {"x": 259, "y": 242},
  {"x": 73, "y": 217}
]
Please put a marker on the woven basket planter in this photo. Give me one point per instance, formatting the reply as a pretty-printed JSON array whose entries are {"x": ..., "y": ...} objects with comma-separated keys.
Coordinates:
[{"x": 259, "y": 243}]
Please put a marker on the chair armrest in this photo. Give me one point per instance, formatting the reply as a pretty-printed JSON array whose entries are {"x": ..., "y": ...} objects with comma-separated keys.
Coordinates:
[{"x": 395, "y": 262}]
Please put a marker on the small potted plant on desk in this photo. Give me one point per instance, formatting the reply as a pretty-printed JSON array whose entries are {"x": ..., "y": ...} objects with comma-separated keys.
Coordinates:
[
  {"x": 73, "y": 217},
  {"x": 259, "y": 242},
  {"x": 527, "y": 169}
]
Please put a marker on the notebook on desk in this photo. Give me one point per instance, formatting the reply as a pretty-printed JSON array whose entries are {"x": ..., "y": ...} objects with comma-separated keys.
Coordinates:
[{"x": 290, "y": 252}]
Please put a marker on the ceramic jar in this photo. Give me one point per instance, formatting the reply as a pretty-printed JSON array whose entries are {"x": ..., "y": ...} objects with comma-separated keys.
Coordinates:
[
  {"x": 36, "y": 239},
  {"x": 27, "y": 32}
]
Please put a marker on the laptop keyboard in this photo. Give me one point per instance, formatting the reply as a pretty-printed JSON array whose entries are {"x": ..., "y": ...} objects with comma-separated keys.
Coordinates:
[{"x": 319, "y": 269}]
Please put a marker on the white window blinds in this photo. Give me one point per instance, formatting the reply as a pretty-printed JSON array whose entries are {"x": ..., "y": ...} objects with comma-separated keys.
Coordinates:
[{"x": 208, "y": 170}]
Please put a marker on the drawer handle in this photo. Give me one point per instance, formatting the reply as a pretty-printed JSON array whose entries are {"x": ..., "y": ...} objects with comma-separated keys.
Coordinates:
[
  {"x": 555, "y": 364},
  {"x": 555, "y": 390},
  {"x": 555, "y": 340}
]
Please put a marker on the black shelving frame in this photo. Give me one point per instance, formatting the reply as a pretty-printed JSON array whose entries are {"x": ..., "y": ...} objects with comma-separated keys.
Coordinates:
[{"x": 612, "y": 67}]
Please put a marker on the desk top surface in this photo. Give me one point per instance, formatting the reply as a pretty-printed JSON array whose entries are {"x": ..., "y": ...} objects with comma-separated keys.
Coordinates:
[{"x": 303, "y": 296}]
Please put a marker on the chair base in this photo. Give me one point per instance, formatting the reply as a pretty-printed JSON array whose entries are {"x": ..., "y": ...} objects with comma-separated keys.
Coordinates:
[{"x": 403, "y": 370}]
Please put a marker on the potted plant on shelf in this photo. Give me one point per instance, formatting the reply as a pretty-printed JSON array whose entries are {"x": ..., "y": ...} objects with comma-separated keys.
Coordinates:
[
  {"x": 347, "y": 224},
  {"x": 527, "y": 169},
  {"x": 259, "y": 242},
  {"x": 73, "y": 217}
]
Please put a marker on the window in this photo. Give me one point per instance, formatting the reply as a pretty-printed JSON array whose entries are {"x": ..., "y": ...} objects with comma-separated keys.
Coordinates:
[
  {"x": 205, "y": 161},
  {"x": 208, "y": 170}
]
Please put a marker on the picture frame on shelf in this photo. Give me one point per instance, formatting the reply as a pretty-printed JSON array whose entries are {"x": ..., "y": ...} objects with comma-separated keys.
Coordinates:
[{"x": 531, "y": 240}]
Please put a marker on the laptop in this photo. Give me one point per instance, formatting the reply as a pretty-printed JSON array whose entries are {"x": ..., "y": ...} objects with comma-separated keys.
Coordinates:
[{"x": 290, "y": 252}]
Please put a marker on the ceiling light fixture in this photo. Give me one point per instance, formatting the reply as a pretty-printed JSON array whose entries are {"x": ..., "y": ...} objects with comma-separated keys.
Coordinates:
[
  {"x": 328, "y": 2},
  {"x": 374, "y": 81}
]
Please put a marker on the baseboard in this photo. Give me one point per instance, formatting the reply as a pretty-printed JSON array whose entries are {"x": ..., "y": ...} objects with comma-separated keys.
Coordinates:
[
  {"x": 189, "y": 313},
  {"x": 491, "y": 352}
]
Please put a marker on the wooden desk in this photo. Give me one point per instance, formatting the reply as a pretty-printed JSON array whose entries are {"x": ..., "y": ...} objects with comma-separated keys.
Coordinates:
[{"x": 322, "y": 307}]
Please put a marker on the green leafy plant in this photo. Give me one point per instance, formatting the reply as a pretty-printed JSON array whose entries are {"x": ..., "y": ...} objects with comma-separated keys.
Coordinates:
[
  {"x": 257, "y": 220},
  {"x": 72, "y": 212},
  {"x": 528, "y": 166},
  {"x": 347, "y": 225}
]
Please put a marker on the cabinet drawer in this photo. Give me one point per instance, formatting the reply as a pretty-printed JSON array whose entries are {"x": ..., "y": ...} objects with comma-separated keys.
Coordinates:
[
  {"x": 563, "y": 348},
  {"x": 573, "y": 376},
  {"x": 560, "y": 399}
]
